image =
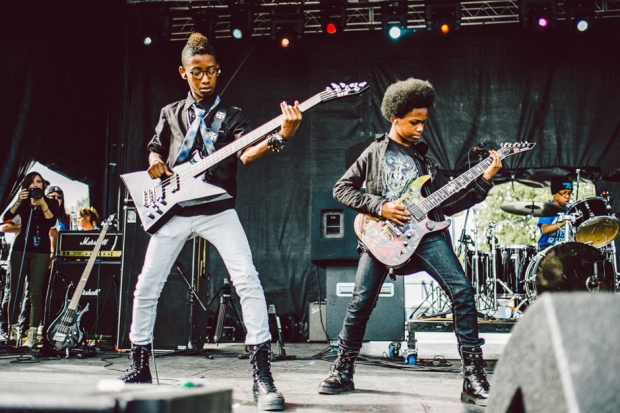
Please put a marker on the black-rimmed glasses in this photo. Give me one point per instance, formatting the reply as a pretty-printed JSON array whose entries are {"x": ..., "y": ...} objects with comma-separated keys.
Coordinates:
[
  {"x": 54, "y": 196},
  {"x": 199, "y": 74}
]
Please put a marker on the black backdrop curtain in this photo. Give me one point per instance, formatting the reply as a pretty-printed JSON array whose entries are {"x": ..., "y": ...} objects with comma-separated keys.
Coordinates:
[
  {"x": 98, "y": 89},
  {"x": 60, "y": 77}
]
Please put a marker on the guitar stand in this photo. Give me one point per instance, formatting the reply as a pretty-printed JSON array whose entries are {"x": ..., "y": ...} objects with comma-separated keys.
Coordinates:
[
  {"x": 225, "y": 298},
  {"x": 191, "y": 349}
]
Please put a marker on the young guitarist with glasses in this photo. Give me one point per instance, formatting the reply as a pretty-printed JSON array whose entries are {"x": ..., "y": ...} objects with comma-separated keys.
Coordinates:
[{"x": 215, "y": 221}]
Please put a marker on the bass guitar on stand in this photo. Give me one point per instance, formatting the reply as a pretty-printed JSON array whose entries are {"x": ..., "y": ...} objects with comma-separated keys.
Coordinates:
[
  {"x": 65, "y": 331},
  {"x": 392, "y": 244}
]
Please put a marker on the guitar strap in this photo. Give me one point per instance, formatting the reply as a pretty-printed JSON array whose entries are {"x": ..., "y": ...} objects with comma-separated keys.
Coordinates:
[{"x": 212, "y": 133}]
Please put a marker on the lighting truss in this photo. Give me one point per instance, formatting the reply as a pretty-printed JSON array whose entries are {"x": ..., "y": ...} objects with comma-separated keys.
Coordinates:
[{"x": 359, "y": 16}]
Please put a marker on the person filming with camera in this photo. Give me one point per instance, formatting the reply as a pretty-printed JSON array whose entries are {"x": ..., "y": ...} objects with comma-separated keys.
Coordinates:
[{"x": 31, "y": 250}]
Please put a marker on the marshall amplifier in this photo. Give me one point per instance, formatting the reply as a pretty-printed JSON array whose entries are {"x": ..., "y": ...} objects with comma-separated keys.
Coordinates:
[
  {"x": 100, "y": 294},
  {"x": 80, "y": 244}
]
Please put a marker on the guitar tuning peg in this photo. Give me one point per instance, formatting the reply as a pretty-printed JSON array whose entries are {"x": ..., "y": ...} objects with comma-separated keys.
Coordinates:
[
  {"x": 336, "y": 87},
  {"x": 342, "y": 85}
]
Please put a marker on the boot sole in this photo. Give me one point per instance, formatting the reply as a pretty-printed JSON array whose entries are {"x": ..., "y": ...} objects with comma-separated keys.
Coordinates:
[
  {"x": 276, "y": 404},
  {"x": 468, "y": 398},
  {"x": 327, "y": 390}
]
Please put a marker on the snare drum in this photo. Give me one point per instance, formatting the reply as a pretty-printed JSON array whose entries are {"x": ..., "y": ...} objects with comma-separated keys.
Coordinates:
[
  {"x": 568, "y": 266},
  {"x": 595, "y": 224}
]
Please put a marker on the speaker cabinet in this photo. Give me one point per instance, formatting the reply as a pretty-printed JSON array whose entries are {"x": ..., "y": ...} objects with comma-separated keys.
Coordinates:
[
  {"x": 100, "y": 294},
  {"x": 387, "y": 321},
  {"x": 563, "y": 356},
  {"x": 333, "y": 239},
  {"x": 175, "y": 315},
  {"x": 84, "y": 397}
]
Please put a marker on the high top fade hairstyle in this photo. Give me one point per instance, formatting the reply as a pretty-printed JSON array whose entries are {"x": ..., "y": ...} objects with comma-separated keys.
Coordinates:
[
  {"x": 405, "y": 95},
  {"x": 196, "y": 44}
]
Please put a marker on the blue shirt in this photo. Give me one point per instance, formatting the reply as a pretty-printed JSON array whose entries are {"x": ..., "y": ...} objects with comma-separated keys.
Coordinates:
[{"x": 554, "y": 237}]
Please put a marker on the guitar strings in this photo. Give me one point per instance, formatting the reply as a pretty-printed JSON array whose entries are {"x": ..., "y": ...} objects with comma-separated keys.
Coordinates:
[{"x": 226, "y": 151}]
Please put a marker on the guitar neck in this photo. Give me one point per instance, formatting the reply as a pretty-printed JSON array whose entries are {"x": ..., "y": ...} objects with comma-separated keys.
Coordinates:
[
  {"x": 249, "y": 139},
  {"x": 454, "y": 186},
  {"x": 75, "y": 300}
]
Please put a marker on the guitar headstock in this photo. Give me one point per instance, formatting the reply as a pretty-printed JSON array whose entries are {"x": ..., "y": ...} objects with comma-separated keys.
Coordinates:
[
  {"x": 339, "y": 90},
  {"x": 109, "y": 221},
  {"x": 511, "y": 148}
]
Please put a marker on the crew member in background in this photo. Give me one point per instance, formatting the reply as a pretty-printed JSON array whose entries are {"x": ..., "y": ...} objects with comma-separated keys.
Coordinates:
[
  {"x": 552, "y": 231},
  {"x": 63, "y": 223},
  {"x": 88, "y": 219},
  {"x": 31, "y": 250}
]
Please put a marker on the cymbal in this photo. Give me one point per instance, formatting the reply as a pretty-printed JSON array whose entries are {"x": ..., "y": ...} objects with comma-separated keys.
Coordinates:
[
  {"x": 537, "y": 209},
  {"x": 613, "y": 176}
]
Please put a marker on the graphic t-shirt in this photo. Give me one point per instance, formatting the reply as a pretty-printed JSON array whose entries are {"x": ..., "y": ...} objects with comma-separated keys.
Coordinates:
[
  {"x": 553, "y": 238},
  {"x": 399, "y": 170}
]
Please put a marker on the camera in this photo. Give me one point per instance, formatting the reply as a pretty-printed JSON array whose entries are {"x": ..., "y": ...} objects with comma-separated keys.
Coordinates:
[{"x": 35, "y": 193}]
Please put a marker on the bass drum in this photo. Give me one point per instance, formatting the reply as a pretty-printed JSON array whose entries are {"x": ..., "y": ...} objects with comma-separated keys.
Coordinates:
[
  {"x": 568, "y": 266},
  {"x": 595, "y": 224}
]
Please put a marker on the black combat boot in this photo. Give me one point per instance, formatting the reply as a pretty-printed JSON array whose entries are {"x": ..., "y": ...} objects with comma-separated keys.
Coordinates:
[
  {"x": 475, "y": 384},
  {"x": 266, "y": 396},
  {"x": 139, "y": 371},
  {"x": 340, "y": 377}
]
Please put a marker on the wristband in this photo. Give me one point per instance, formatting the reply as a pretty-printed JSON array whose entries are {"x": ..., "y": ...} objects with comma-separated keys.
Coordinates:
[
  {"x": 156, "y": 160},
  {"x": 276, "y": 142}
]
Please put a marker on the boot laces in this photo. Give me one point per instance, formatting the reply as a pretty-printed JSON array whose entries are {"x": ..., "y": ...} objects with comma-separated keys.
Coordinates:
[{"x": 261, "y": 358}]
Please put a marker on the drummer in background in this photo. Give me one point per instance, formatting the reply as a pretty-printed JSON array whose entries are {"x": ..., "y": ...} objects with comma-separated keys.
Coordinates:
[{"x": 552, "y": 231}]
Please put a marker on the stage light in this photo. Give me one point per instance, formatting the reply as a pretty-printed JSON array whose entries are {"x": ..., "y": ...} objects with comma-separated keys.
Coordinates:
[
  {"x": 287, "y": 25},
  {"x": 580, "y": 14},
  {"x": 442, "y": 18},
  {"x": 538, "y": 15},
  {"x": 204, "y": 22},
  {"x": 153, "y": 29},
  {"x": 394, "y": 19},
  {"x": 333, "y": 16},
  {"x": 331, "y": 28},
  {"x": 240, "y": 19},
  {"x": 287, "y": 37},
  {"x": 395, "y": 30}
]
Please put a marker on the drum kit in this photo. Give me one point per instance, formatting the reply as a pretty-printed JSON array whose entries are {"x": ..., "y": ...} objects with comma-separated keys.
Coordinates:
[{"x": 585, "y": 260}]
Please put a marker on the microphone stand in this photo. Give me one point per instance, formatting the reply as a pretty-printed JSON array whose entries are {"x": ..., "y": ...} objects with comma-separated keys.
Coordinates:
[
  {"x": 191, "y": 347},
  {"x": 19, "y": 277}
]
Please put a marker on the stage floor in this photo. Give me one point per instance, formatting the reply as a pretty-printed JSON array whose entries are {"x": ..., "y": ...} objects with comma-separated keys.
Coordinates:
[{"x": 382, "y": 384}]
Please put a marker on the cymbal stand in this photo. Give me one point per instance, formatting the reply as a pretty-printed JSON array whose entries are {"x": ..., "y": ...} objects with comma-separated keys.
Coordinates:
[{"x": 578, "y": 180}]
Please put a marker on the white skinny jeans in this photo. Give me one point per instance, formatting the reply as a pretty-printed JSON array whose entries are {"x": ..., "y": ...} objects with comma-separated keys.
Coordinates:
[{"x": 224, "y": 232}]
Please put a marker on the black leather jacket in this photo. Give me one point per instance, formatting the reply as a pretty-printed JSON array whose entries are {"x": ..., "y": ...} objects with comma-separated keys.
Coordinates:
[{"x": 367, "y": 168}]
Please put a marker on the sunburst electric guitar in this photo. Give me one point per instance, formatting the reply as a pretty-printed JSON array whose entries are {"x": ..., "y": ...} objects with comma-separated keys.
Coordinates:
[
  {"x": 393, "y": 244},
  {"x": 157, "y": 201}
]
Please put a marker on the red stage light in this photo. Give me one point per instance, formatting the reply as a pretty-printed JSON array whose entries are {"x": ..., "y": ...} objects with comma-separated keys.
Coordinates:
[{"x": 331, "y": 28}]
